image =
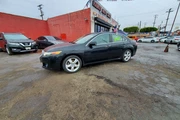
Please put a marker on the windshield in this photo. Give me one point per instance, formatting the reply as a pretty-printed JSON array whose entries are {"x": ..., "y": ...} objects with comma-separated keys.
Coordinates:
[
  {"x": 14, "y": 36},
  {"x": 52, "y": 38},
  {"x": 84, "y": 39}
]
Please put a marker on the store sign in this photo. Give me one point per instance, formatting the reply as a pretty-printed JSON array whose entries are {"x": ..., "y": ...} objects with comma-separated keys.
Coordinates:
[{"x": 101, "y": 9}]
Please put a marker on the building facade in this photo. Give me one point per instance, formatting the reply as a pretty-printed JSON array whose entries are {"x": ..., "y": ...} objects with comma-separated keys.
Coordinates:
[{"x": 69, "y": 26}]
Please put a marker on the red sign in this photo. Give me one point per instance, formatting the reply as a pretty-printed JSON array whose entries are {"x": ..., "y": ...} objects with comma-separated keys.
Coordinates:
[{"x": 98, "y": 7}]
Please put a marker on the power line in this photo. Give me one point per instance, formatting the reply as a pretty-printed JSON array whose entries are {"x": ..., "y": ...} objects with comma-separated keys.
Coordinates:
[{"x": 41, "y": 12}]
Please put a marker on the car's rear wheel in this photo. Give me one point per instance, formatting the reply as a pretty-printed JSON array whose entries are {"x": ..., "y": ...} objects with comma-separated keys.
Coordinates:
[
  {"x": 140, "y": 41},
  {"x": 126, "y": 56},
  {"x": 165, "y": 41},
  {"x": 72, "y": 64},
  {"x": 152, "y": 41},
  {"x": 8, "y": 50}
]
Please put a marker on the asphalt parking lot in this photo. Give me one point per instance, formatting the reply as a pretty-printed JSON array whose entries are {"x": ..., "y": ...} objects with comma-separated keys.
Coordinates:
[{"x": 145, "y": 88}]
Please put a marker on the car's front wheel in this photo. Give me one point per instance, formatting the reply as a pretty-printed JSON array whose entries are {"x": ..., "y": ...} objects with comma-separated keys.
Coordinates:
[
  {"x": 72, "y": 64},
  {"x": 8, "y": 50},
  {"x": 126, "y": 56},
  {"x": 179, "y": 47}
]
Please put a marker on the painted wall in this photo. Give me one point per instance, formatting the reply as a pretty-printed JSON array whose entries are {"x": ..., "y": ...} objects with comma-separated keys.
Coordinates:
[
  {"x": 70, "y": 26},
  {"x": 28, "y": 26}
]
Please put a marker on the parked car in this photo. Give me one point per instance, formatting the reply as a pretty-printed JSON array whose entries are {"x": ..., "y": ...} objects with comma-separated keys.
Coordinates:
[
  {"x": 16, "y": 43},
  {"x": 163, "y": 39},
  {"x": 172, "y": 39},
  {"x": 89, "y": 49},
  {"x": 178, "y": 45},
  {"x": 148, "y": 39},
  {"x": 46, "y": 41}
]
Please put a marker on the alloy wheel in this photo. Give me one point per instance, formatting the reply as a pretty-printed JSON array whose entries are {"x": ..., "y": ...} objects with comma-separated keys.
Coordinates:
[
  {"x": 8, "y": 51},
  {"x": 72, "y": 64},
  {"x": 127, "y": 55}
]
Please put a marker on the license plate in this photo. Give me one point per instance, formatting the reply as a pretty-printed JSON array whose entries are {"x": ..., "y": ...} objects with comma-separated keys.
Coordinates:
[{"x": 28, "y": 48}]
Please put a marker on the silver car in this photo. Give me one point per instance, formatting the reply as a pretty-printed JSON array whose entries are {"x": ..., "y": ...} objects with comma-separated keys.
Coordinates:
[
  {"x": 148, "y": 39},
  {"x": 172, "y": 39}
]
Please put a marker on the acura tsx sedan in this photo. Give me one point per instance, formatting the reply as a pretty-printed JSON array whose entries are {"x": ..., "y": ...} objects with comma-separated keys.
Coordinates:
[{"x": 89, "y": 49}]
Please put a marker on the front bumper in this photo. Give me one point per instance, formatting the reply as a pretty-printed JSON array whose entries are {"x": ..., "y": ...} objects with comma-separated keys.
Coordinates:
[
  {"x": 51, "y": 62},
  {"x": 21, "y": 49}
]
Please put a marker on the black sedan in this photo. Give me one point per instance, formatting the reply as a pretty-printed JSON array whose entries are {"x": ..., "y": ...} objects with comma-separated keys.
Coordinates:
[
  {"x": 46, "y": 41},
  {"x": 90, "y": 49}
]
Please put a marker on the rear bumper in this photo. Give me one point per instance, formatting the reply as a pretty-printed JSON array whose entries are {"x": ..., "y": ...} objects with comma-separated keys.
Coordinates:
[{"x": 51, "y": 62}]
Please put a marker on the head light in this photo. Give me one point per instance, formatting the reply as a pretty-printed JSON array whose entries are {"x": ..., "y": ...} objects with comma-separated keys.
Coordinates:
[
  {"x": 33, "y": 43},
  {"x": 51, "y": 53},
  {"x": 14, "y": 43}
]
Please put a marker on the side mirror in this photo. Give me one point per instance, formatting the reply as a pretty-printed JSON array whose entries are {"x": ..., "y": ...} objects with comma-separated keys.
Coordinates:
[
  {"x": 92, "y": 44},
  {"x": 1, "y": 38}
]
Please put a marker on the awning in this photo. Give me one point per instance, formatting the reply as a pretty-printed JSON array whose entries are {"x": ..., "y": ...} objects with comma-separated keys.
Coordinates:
[{"x": 102, "y": 22}]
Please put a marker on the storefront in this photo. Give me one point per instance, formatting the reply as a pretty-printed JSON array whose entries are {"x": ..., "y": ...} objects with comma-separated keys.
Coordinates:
[{"x": 101, "y": 19}]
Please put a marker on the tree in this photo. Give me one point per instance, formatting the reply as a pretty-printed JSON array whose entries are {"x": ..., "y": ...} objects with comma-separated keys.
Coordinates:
[
  {"x": 132, "y": 29},
  {"x": 148, "y": 29}
]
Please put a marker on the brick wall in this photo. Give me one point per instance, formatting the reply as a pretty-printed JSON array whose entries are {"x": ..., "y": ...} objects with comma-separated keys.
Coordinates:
[{"x": 28, "y": 26}]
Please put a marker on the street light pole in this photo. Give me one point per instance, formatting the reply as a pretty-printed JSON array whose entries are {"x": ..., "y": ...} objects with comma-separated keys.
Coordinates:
[{"x": 174, "y": 18}]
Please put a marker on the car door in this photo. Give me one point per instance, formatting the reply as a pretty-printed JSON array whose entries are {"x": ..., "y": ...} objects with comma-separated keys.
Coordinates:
[
  {"x": 117, "y": 45},
  {"x": 98, "y": 52}
]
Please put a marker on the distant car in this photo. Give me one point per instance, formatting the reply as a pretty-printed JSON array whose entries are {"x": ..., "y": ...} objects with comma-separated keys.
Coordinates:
[
  {"x": 163, "y": 39},
  {"x": 172, "y": 39},
  {"x": 148, "y": 39},
  {"x": 90, "y": 49},
  {"x": 46, "y": 41},
  {"x": 178, "y": 45},
  {"x": 16, "y": 43}
]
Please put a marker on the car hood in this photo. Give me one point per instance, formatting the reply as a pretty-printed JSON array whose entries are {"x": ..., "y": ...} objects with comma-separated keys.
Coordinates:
[
  {"x": 59, "y": 47},
  {"x": 19, "y": 41}
]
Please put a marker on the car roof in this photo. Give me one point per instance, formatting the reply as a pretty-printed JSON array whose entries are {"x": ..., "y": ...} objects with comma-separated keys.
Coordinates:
[{"x": 10, "y": 33}]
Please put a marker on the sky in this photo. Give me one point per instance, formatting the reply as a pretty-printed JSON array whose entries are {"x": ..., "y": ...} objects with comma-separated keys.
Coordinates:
[{"x": 127, "y": 13}]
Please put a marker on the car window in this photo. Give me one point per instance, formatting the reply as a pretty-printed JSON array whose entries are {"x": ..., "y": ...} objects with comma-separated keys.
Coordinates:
[
  {"x": 102, "y": 39},
  {"x": 57, "y": 38},
  {"x": 118, "y": 38},
  {"x": 41, "y": 38}
]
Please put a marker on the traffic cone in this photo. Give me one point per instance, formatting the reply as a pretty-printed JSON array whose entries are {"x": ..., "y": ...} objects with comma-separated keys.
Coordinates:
[{"x": 167, "y": 48}]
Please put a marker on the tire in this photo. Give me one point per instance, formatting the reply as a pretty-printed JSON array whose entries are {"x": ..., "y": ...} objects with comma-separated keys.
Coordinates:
[
  {"x": 165, "y": 41},
  {"x": 171, "y": 41},
  {"x": 126, "y": 55},
  {"x": 36, "y": 49},
  {"x": 178, "y": 48},
  {"x": 71, "y": 66},
  {"x": 152, "y": 41},
  {"x": 8, "y": 50},
  {"x": 140, "y": 41}
]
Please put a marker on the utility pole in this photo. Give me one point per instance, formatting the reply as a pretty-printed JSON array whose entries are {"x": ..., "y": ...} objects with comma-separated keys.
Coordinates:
[
  {"x": 144, "y": 24},
  {"x": 41, "y": 12},
  {"x": 139, "y": 27},
  {"x": 169, "y": 11},
  {"x": 154, "y": 20},
  {"x": 174, "y": 18}
]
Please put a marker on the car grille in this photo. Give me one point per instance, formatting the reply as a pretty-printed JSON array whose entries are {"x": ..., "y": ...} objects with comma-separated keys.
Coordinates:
[{"x": 26, "y": 44}]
